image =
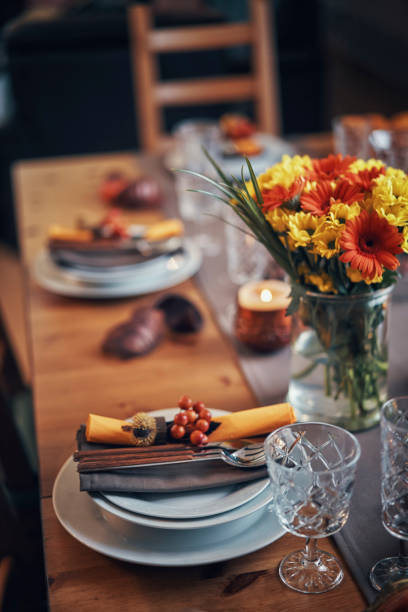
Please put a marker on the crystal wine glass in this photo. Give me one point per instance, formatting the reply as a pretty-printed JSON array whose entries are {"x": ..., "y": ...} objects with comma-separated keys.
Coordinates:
[
  {"x": 312, "y": 468},
  {"x": 394, "y": 488}
]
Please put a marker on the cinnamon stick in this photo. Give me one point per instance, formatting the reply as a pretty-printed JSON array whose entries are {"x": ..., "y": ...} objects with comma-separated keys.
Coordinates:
[
  {"x": 105, "y": 464},
  {"x": 161, "y": 449}
]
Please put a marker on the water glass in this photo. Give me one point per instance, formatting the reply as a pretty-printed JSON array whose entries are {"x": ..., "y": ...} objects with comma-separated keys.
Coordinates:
[
  {"x": 394, "y": 488},
  {"x": 199, "y": 212},
  {"x": 246, "y": 258},
  {"x": 312, "y": 468}
]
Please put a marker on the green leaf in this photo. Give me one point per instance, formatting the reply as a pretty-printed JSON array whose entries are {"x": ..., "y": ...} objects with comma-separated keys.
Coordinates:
[
  {"x": 254, "y": 182},
  {"x": 296, "y": 293},
  {"x": 217, "y": 168}
]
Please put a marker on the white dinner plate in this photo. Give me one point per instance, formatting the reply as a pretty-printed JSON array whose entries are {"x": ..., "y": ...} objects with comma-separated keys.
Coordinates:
[
  {"x": 115, "y": 274},
  {"x": 179, "y": 268},
  {"x": 246, "y": 509},
  {"x": 194, "y": 504},
  {"x": 80, "y": 516}
]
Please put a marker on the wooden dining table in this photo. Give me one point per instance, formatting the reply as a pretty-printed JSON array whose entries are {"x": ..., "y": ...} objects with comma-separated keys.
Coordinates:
[{"x": 71, "y": 377}]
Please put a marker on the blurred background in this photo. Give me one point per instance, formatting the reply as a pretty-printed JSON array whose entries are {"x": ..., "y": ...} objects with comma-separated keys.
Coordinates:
[
  {"x": 66, "y": 88},
  {"x": 66, "y": 84}
]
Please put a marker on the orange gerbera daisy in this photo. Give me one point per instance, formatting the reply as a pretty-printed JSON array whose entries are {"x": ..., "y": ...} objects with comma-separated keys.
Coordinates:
[
  {"x": 365, "y": 178},
  {"x": 370, "y": 242},
  {"x": 278, "y": 195},
  {"x": 319, "y": 199},
  {"x": 330, "y": 168}
]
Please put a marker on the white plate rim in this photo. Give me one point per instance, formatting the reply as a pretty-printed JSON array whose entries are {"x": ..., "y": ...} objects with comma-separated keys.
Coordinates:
[
  {"x": 61, "y": 285},
  {"x": 253, "y": 489},
  {"x": 103, "y": 539},
  {"x": 258, "y": 502}
]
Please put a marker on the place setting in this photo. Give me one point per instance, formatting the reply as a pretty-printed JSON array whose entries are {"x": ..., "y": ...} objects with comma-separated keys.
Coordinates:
[
  {"x": 112, "y": 259},
  {"x": 146, "y": 491}
]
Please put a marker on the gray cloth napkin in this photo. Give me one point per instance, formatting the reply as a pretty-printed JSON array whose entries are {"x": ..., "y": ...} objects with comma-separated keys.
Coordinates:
[{"x": 163, "y": 478}]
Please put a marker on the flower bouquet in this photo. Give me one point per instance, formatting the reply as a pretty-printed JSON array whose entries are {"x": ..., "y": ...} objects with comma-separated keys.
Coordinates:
[{"x": 336, "y": 226}]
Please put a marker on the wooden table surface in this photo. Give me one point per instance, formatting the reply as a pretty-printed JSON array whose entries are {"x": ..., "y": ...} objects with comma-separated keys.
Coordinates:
[{"x": 72, "y": 377}]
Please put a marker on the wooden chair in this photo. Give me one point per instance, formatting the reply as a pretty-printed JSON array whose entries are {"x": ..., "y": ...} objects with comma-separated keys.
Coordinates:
[{"x": 152, "y": 95}]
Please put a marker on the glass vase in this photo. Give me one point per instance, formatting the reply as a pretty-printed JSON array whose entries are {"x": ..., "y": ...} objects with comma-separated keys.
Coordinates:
[{"x": 339, "y": 358}]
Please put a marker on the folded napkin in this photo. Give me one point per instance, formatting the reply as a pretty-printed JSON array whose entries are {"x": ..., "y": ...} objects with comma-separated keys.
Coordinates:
[
  {"x": 163, "y": 478},
  {"x": 233, "y": 426},
  {"x": 252, "y": 422}
]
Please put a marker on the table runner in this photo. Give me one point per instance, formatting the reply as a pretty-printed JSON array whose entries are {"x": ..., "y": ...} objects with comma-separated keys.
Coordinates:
[{"x": 363, "y": 540}]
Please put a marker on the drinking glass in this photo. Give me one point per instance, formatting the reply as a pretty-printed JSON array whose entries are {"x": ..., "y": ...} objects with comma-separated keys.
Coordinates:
[
  {"x": 394, "y": 488},
  {"x": 311, "y": 468},
  {"x": 247, "y": 258},
  {"x": 199, "y": 212}
]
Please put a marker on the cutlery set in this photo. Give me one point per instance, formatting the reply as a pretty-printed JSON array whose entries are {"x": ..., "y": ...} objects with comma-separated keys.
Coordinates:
[{"x": 250, "y": 456}]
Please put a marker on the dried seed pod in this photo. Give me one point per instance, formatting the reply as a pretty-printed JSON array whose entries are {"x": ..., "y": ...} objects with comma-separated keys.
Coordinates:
[
  {"x": 144, "y": 191},
  {"x": 138, "y": 336},
  {"x": 181, "y": 314}
]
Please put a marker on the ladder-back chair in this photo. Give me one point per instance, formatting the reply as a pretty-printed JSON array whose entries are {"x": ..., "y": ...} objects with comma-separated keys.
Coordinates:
[{"x": 153, "y": 95}]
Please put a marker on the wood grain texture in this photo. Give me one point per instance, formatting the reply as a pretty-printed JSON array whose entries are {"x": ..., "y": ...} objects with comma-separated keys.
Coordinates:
[
  {"x": 204, "y": 37},
  {"x": 81, "y": 579},
  {"x": 71, "y": 377}
]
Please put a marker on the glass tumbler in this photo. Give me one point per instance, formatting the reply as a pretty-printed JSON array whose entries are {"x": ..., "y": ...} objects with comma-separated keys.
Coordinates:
[
  {"x": 311, "y": 468},
  {"x": 394, "y": 488}
]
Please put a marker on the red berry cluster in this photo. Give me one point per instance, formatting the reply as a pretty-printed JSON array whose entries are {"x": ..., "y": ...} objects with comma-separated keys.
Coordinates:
[{"x": 194, "y": 420}]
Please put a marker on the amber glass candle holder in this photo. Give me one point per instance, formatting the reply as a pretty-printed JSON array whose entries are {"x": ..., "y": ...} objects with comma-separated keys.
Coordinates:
[{"x": 261, "y": 322}]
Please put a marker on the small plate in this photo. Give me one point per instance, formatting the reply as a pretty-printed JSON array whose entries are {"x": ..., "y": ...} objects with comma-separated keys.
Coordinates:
[
  {"x": 246, "y": 509},
  {"x": 192, "y": 504},
  {"x": 83, "y": 520},
  {"x": 177, "y": 269}
]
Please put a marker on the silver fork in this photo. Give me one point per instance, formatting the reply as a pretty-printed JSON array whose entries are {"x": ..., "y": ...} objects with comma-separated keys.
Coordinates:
[{"x": 250, "y": 456}]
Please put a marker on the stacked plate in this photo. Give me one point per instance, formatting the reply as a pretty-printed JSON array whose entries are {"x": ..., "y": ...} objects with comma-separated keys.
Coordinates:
[
  {"x": 168, "y": 529},
  {"x": 93, "y": 280}
]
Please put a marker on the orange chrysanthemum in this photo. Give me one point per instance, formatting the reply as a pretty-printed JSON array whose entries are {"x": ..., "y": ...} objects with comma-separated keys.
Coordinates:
[
  {"x": 365, "y": 178},
  {"x": 278, "y": 195},
  {"x": 330, "y": 168},
  {"x": 370, "y": 242},
  {"x": 319, "y": 199}
]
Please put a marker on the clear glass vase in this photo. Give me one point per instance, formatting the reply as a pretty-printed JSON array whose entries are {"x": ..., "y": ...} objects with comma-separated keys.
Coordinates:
[{"x": 339, "y": 359}]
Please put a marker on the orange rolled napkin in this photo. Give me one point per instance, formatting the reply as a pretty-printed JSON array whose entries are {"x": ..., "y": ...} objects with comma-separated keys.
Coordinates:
[
  {"x": 145, "y": 430},
  {"x": 252, "y": 422},
  {"x": 142, "y": 430}
]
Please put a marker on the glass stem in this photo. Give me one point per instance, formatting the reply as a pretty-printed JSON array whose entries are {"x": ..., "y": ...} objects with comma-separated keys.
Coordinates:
[{"x": 311, "y": 550}]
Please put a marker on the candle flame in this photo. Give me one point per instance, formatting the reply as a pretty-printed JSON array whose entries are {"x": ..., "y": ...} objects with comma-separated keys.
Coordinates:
[{"x": 266, "y": 295}]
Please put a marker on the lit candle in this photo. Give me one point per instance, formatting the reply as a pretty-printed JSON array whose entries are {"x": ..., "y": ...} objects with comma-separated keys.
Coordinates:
[{"x": 261, "y": 322}]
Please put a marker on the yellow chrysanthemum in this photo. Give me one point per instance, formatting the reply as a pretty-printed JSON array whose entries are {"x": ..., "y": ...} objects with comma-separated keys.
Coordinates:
[
  {"x": 356, "y": 277},
  {"x": 279, "y": 219},
  {"x": 326, "y": 240},
  {"x": 285, "y": 172},
  {"x": 322, "y": 281},
  {"x": 361, "y": 164},
  {"x": 301, "y": 227},
  {"x": 395, "y": 172},
  {"x": 390, "y": 198},
  {"x": 340, "y": 213},
  {"x": 404, "y": 245}
]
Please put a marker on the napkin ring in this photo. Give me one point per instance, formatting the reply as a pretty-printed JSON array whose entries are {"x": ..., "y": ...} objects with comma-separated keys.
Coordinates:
[{"x": 146, "y": 430}]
